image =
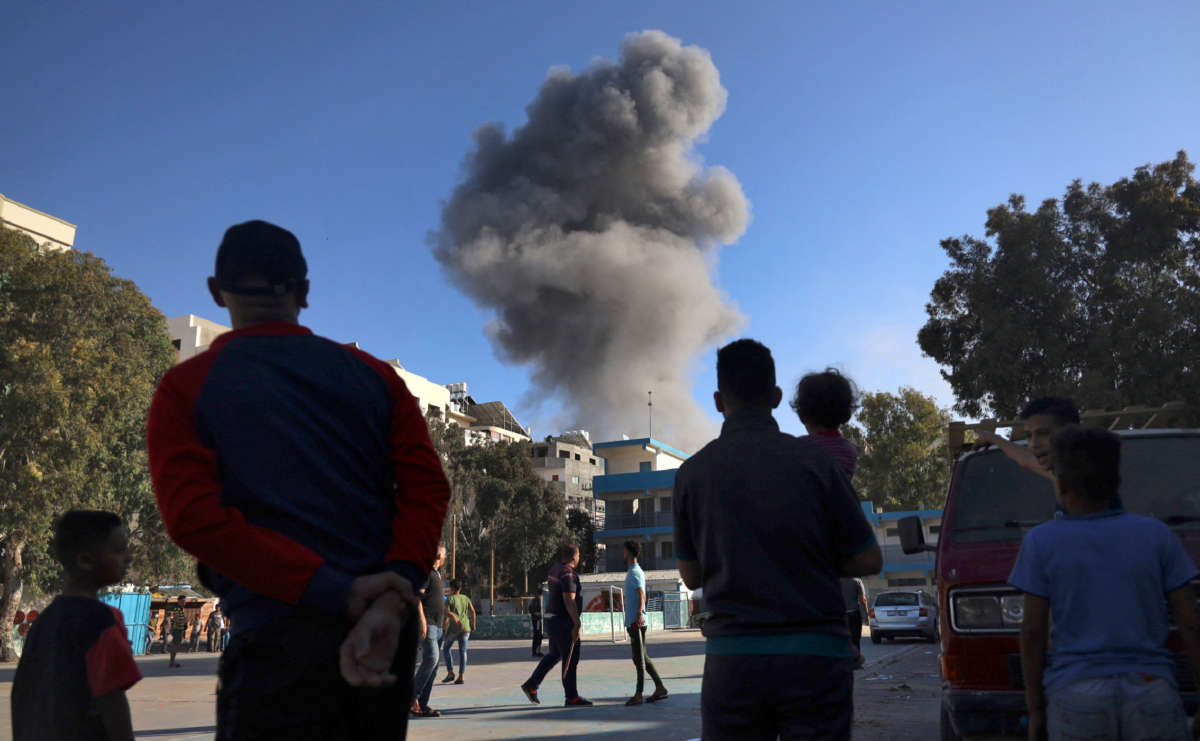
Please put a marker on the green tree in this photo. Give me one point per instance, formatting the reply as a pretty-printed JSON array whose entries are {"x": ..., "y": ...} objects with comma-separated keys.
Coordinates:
[
  {"x": 900, "y": 437},
  {"x": 583, "y": 532},
  {"x": 499, "y": 505},
  {"x": 1095, "y": 297},
  {"x": 80, "y": 353}
]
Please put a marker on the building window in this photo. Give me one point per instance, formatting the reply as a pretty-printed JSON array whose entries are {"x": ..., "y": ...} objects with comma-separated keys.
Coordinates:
[
  {"x": 906, "y": 582},
  {"x": 666, "y": 549},
  {"x": 664, "y": 504},
  {"x": 176, "y": 343},
  {"x": 554, "y": 477},
  {"x": 574, "y": 479},
  {"x": 935, "y": 529},
  {"x": 892, "y": 532},
  {"x": 592, "y": 461},
  {"x": 564, "y": 454},
  {"x": 577, "y": 456},
  {"x": 644, "y": 466}
]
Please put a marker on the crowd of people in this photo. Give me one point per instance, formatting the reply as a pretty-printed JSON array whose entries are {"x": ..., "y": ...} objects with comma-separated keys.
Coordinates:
[{"x": 300, "y": 473}]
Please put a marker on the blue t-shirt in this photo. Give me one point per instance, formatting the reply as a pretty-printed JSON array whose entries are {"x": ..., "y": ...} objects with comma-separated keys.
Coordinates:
[
  {"x": 635, "y": 579},
  {"x": 1106, "y": 576}
]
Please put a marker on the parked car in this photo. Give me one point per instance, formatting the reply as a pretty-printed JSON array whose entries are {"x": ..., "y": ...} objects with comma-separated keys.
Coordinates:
[{"x": 904, "y": 612}]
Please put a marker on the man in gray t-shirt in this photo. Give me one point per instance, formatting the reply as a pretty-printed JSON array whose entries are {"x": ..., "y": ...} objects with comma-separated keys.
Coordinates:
[
  {"x": 759, "y": 501},
  {"x": 433, "y": 607}
]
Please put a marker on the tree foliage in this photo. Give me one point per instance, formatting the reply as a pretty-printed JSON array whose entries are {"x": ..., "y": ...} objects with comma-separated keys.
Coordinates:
[
  {"x": 583, "y": 532},
  {"x": 80, "y": 353},
  {"x": 1096, "y": 297},
  {"x": 902, "y": 464},
  {"x": 499, "y": 502}
]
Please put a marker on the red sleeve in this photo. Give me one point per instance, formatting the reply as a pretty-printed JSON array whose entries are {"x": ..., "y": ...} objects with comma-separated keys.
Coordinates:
[
  {"x": 110, "y": 664},
  {"x": 422, "y": 491},
  {"x": 187, "y": 483}
]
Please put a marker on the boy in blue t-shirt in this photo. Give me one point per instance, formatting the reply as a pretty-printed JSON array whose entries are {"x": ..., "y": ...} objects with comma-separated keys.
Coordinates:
[{"x": 1104, "y": 574}]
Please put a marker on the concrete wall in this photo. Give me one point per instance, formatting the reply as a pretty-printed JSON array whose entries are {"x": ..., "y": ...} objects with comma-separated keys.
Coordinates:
[
  {"x": 193, "y": 334},
  {"x": 509, "y": 627}
]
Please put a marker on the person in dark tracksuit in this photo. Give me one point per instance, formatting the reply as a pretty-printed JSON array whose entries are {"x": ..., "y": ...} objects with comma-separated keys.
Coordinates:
[
  {"x": 564, "y": 610},
  {"x": 535, "y": 620},
  {"x": 300, "y": 473}
]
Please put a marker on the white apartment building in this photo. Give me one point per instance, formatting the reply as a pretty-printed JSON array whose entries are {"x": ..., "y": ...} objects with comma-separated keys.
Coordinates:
[
  {"x": 569, "y": 465},
  {"x": 50, "y": 232}
]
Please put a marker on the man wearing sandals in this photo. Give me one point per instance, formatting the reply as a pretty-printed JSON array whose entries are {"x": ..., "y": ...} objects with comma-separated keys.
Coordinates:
[
  {"x": 433, "y": 608},
  {"x": 635, "y": 625}
]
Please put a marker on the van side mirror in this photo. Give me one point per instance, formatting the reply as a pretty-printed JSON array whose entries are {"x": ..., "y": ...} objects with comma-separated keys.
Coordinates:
[{"x": 912, "y": 537}]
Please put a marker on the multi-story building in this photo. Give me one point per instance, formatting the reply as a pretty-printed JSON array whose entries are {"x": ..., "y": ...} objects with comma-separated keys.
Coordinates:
[
  {"x": 638, "y": 481},
  {"x": 50, "y": 232},
  {"x": 569, "y": 465},
  {"x": 900, "y": 569},
  {"x": 191, "y": 334}
]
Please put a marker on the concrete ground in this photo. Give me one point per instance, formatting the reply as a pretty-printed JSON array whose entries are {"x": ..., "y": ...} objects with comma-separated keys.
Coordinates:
[{"x": 896, "y": 696}]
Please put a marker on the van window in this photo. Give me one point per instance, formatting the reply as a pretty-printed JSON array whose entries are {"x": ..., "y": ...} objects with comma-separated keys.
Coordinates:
[
  {"x": 996, "y": 500},
  {"x": 896, "y": 598}
]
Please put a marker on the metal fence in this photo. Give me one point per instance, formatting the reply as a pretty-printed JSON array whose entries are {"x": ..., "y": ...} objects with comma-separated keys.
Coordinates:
[
  {"x": 677, "y": 611},
  {"x": 135, "y": 609}
]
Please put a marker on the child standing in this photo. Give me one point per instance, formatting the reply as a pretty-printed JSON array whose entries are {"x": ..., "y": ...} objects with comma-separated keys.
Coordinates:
[
  {"x": 77, "y": 664},
  {"x": 1104, "y": 574},
  {"x": 824, "y": 402}
]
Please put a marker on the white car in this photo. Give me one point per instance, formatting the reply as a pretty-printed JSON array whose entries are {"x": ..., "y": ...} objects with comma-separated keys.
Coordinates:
[{"x": 904, "y": 612}]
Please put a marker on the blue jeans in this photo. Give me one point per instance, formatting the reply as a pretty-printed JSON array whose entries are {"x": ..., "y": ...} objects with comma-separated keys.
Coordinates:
[
  {"x": 429, "y": 652},
  {"x": 448, "y": 643},
  {"x": 1131, "y": 707}
]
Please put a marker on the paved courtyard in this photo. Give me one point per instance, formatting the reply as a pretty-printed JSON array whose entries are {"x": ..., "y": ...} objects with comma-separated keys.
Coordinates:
[{"x": 177, "y": 704}]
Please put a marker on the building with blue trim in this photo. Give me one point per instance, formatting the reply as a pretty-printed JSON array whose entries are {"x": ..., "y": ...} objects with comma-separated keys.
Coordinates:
[
  {"x": 900, "y": 569},
  {"x": 638, "y": 481}
]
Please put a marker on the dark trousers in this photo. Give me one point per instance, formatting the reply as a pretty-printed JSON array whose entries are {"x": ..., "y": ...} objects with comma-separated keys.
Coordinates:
[
  {"x": 283, "y": 681},
  {"x": 637, "y": 641},
  {"x": 854, "y": 623},
  {"x": 769, "y": 697},
  {"x": 561, "y": 647},
  {"x": 537, "y": 633}
]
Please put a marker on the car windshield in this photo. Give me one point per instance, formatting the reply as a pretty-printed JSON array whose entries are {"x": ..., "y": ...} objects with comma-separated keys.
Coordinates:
[
  {"x": 997, "y": 500},
  {"x": 896, "y": 598}
]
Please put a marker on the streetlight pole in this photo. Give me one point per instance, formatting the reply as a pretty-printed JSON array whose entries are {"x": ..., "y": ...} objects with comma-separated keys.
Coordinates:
[{"x": 650, "y": 410}]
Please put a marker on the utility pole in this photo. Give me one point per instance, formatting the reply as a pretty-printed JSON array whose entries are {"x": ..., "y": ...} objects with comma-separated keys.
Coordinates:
[
  {"x": 492, "y": 578},
  {"x": 650, "y": 410}
]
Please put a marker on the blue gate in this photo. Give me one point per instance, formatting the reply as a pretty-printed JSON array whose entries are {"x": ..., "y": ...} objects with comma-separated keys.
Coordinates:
[{"x": 135, "y": 609}]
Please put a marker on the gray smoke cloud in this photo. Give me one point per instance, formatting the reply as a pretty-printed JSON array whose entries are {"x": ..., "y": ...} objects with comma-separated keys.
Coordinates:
[{"x": 592, "y": 231}]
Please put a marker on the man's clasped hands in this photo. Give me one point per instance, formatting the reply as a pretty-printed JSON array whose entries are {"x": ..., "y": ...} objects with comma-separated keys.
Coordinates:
[{"x": 381, "y": 605}]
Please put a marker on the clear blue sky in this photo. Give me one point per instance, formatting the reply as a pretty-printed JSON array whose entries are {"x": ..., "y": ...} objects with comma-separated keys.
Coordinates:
[{"x": 862, "y": 133}]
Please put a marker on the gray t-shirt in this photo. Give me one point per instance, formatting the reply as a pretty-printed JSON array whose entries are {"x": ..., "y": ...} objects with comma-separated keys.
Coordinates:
[
  {"x": 769, "y": 518},
  {"x": 434, "y": 599}
]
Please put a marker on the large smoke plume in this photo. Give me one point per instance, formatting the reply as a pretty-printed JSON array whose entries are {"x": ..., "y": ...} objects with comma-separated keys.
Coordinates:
[{"x": 590, "y": 231}]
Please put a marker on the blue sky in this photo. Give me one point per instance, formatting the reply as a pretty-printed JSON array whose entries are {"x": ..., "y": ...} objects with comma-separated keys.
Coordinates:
[{"x": 862, "y": 134}]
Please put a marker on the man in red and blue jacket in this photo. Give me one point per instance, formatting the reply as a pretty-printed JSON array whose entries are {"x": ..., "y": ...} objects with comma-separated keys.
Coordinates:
[{"x": 301, "y": 475}]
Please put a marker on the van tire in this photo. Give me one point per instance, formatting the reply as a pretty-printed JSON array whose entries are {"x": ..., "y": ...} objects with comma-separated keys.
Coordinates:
[
  {"x": 876, "y": 638},
  {"x": 945, "y": 728}
]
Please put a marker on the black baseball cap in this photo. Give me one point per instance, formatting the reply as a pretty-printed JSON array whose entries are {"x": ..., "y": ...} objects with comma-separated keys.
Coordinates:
[{"x": 262, "y": 249}]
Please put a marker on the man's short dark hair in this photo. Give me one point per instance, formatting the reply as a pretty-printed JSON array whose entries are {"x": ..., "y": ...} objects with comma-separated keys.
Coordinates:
[
  {"x": 634, "y": 548},
  {"x": 746, "y": 372},
  {"x": 456, "y": 585},
  {"x": 263, "y": 249},
  {"x": 1059, "y": 407},
  {"x": 1088, "y": 460},
  {"x": 82, "y": 531},
  {"x": 827, "y": 399},
  {"x": 566, "y": 551}
]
